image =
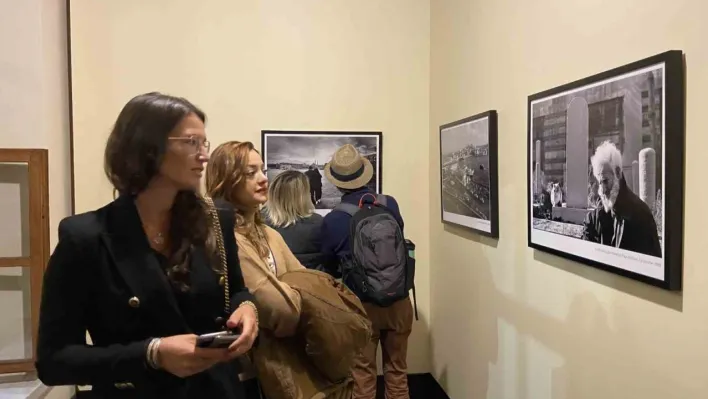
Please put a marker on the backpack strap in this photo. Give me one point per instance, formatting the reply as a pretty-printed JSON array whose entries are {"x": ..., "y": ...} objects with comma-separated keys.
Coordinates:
[
  {"x": 381, "y": 199},
  {"x": 346, "y": 207},
  {"x": 415, "y": 302}
]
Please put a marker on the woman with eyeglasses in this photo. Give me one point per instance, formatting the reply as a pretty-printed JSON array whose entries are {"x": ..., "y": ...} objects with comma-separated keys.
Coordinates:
[{"x": 148, "y": 273}]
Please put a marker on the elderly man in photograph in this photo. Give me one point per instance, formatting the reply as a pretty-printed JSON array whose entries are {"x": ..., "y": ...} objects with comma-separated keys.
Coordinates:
[{"x": 624, "y": 220}]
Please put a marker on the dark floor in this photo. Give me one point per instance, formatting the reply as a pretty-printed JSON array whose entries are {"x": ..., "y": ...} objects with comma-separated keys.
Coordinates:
[{"x": 421, "y": 386}]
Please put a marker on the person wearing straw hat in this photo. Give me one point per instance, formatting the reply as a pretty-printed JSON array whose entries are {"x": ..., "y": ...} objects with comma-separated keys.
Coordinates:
[{"x": 350, "y": 172}]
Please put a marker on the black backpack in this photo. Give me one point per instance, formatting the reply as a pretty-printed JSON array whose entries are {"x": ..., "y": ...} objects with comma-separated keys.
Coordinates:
[{"x": 379, "y": 269}]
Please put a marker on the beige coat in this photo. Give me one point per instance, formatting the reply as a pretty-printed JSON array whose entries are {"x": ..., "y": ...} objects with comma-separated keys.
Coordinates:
[
  {"x": 278, "y": 304},
  {"x": 282, "y": 366}
]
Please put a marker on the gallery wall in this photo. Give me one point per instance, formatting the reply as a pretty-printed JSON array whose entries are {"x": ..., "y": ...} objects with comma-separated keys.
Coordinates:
[
  {"x": 305, "y": 65},
  {"x": 526, "y": 324},
  {"x": 34, "y": 113}
]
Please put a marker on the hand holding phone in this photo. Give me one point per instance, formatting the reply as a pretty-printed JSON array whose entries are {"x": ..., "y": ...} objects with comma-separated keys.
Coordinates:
[
  {"x": 220, "y": 340},
  {"x": 179, "y": 356}
]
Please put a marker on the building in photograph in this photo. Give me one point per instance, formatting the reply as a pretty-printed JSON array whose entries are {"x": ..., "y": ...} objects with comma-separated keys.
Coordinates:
[{"x": 636, "y": 99}]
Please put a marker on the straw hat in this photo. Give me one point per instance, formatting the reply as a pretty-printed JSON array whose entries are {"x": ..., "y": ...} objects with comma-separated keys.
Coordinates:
[{"x": 348, "y": 169}]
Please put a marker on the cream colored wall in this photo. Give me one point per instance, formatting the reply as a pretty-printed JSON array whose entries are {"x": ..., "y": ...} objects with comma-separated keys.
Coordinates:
[
  {"x": 305, "y": 65},
  {"x": 34, "y": 106},
  {"x": 34, "y": 110},
  {"x": 509, "y": 322}
]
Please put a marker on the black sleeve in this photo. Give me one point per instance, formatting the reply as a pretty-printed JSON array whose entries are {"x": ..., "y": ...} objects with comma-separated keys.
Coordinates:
[
  {"x": 63, "y": 356},
  {"x": 654, "y": 246},
  {"x": 589, "y": 231},
  {"x": 329, "y": 244},
  {"x": 239, "y": 292}
]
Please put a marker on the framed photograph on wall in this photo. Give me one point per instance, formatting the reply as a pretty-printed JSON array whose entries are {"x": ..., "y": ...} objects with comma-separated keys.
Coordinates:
[
  {"x": 468, "y": 173},
  {"x": 309, "y": 152},
  {"x": 605, "y": 170}
]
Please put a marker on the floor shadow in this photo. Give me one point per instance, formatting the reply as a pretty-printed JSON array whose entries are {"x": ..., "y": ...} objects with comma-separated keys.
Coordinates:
[{"x": 420, "y": 386}]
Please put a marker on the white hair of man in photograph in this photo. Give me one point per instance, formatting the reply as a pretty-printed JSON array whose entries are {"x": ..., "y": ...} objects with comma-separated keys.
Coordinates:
[{"x": 607, "y": 169}]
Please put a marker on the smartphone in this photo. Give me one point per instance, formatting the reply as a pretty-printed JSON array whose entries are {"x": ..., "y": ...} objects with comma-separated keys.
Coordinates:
[{"x": 221, "y": 339}]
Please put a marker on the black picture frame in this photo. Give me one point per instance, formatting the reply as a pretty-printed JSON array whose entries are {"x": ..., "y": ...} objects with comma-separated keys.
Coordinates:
[
  {"x": 640, "y": 109},
  {"x": 322, "y": 145},
  {"x": 477, "y": 207}
]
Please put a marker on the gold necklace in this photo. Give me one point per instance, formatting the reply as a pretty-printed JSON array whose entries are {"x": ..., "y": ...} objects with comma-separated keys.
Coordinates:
[{"x": 159, "y": 239}]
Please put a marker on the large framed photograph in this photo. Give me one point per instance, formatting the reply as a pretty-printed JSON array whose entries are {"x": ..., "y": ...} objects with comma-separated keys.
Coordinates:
[
  {"x": 309, "y": 152},
  {"x": 468, "y": 173},
  {"x": 605, "y": 170}
]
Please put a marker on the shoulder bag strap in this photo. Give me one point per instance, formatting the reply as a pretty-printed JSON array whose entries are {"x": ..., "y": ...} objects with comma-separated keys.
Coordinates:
[{"x": 219, "y": 235}]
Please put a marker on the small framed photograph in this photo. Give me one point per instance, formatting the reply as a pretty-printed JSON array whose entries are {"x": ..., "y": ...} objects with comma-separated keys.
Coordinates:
[
  {"x": 605, "y": 170},
  {"x": 311, "y": 151},
  {"x": 468, "y": 173}
]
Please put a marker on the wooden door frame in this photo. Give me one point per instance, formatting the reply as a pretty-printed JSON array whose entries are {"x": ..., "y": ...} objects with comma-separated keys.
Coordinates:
[{"x": 38, "y": 181}]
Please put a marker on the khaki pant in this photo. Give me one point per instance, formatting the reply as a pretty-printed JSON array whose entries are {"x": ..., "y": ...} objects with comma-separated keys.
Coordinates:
[{"x": 391, "y": 327}]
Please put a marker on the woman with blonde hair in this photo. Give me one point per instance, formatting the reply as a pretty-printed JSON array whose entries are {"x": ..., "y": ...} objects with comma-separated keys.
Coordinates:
[
  {"x": 236, "y": 174},
  {"x": 290, "y": 212}
]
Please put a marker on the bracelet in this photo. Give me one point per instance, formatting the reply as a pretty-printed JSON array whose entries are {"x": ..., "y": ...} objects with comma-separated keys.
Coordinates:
[
  {"x": 149, "y": 352},
  {"x": 156, "y": 354},
  {"x": 152, "y": 353},
  {"x": 253, "y": 306}
]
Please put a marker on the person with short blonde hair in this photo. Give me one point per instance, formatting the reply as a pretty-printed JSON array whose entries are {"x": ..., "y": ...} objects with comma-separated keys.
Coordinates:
[
  {"x": 289, "y": 199},
  {"x": 291, "y": 213}
]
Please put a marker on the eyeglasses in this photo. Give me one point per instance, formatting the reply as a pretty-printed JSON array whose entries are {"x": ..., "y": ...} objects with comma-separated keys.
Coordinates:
[{"x": 194, "y": 142}]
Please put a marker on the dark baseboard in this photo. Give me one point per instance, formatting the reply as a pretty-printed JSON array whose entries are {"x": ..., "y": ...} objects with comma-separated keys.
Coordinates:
[{"x": 421, "y": 386}]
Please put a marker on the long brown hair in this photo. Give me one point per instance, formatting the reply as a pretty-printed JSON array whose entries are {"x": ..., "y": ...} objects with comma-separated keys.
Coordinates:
[
  {"x": 134, "y": 151},
  {"x": 225, "y": 175}
]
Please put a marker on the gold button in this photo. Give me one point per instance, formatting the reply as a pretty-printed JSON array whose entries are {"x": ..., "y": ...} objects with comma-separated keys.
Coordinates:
[
  {"x": 222, "y": 281},
  {"x": 124, "y": 385},
  {"x": 134, "y": 302}
]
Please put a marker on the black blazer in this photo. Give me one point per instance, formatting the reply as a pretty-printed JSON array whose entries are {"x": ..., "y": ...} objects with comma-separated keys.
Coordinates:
[{"x": 104, "y": 278}]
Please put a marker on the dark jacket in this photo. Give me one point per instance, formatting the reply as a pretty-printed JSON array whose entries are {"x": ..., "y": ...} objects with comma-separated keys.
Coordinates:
[
  {"x": 629, "y": 225},
  {"x": 304, "y": 239},
  {"x": 314, "y": 177},
  {"x": 104, "y": 278},
  {"x": 336, "y": 230}
]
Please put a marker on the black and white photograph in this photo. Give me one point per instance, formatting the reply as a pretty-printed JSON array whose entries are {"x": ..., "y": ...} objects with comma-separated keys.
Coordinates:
[
  {"x": 468, "y": 173},
  {"x": 605, "y": 161},
  {"x": 309, "y": 152}
]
